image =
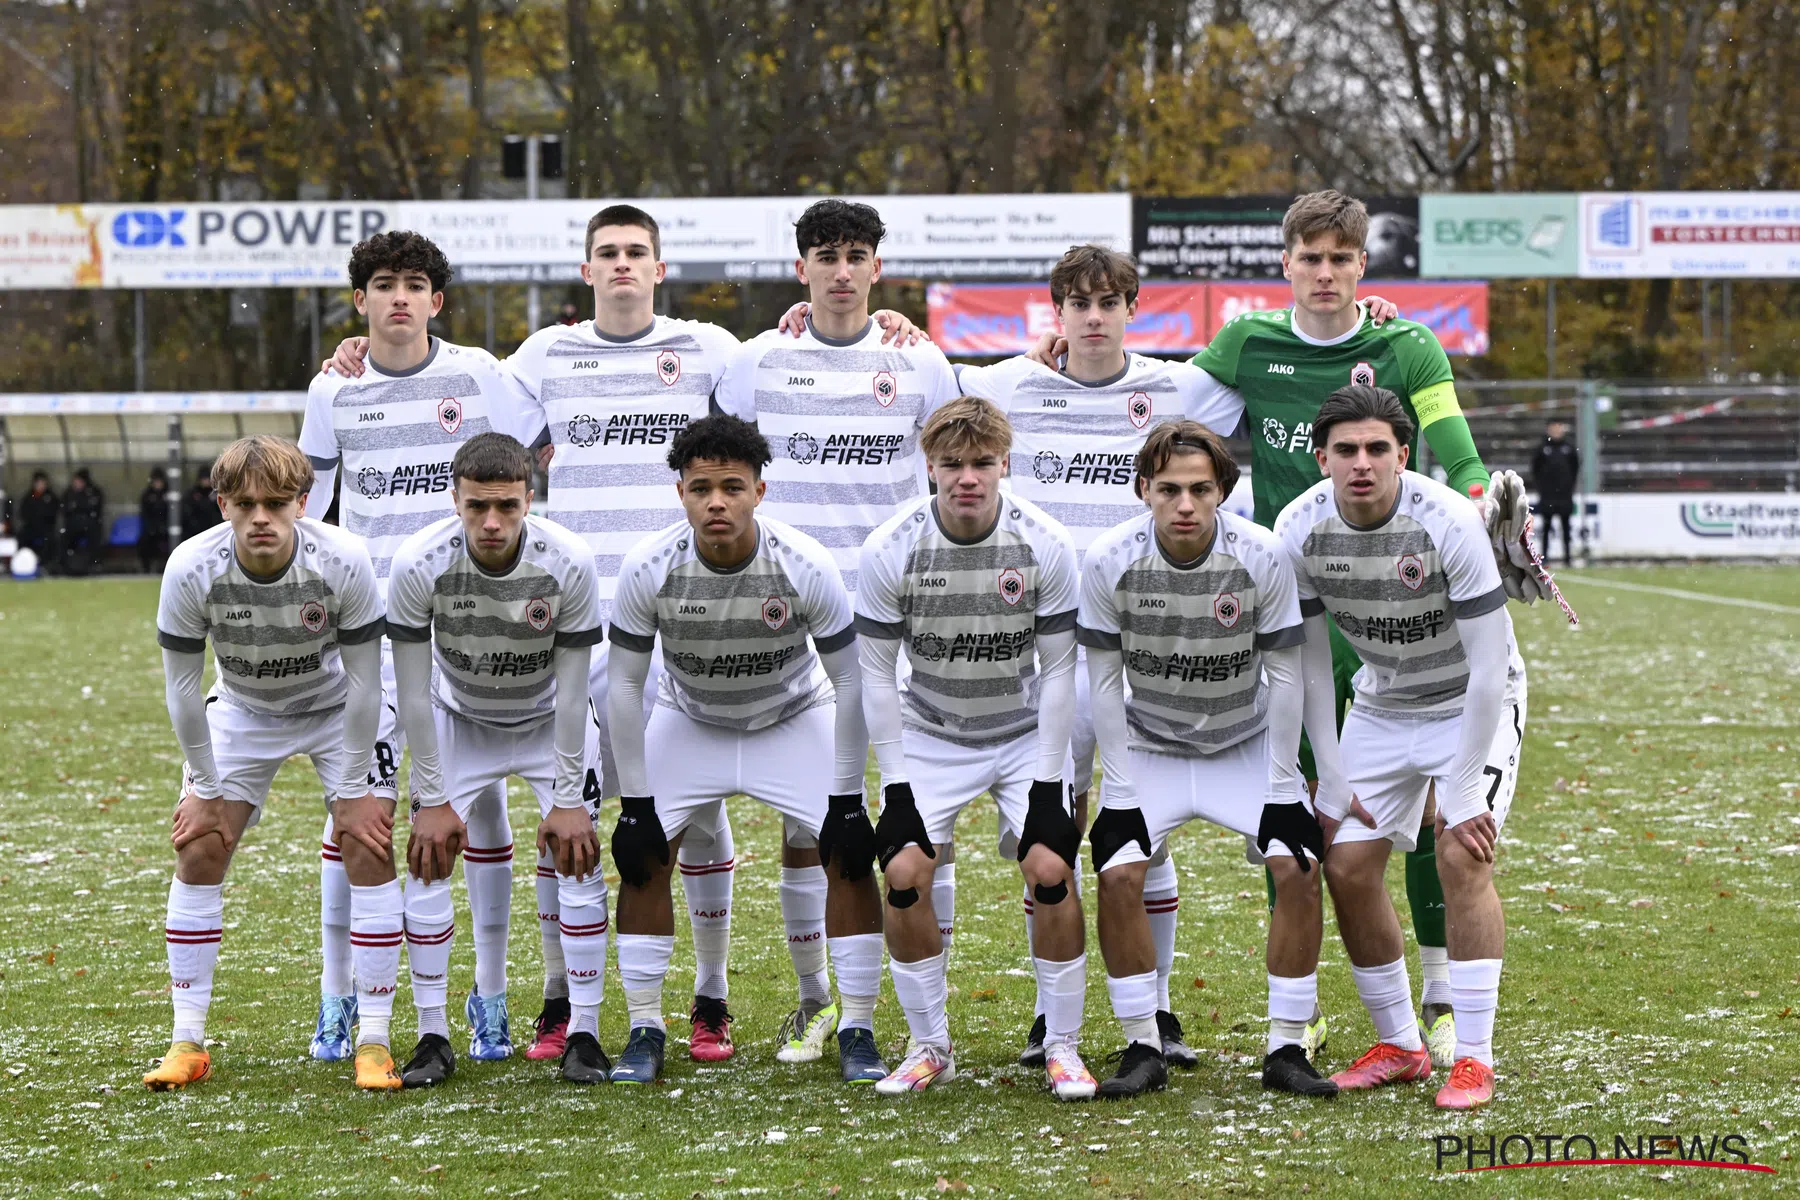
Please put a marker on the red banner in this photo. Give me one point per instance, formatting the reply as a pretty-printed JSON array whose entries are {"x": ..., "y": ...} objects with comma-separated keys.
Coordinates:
[{"x": 1179, "y": 318}]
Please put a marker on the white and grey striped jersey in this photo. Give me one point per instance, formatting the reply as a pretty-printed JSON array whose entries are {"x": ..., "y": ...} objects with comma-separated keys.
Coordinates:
[
  {"x": 494, "y": 633},
  {"x": 394, "y": 434},
  {"x": 275, "y": 641},
  {"x": 735, "y": 644},
  {"x": 1074, "y": 443},
  {"x": 968, "y": 615},
  {"x": 1396, "y": 589},
  {"x": 842, "y": 417},
  {"x": 611, "y": 406},
  {"x": 1192, "y": 634}
]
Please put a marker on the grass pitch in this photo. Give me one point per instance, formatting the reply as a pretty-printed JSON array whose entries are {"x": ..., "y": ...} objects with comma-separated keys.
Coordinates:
[{"x": 1652, "y": 983}]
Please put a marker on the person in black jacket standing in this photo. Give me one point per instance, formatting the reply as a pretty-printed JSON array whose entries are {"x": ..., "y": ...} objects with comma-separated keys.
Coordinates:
[
  {"x": 36, "y": 519},
  {"x": 84, "y": 521},
  {"x": 153, "y": 522},
  {"x": 1554, "y": 472}
]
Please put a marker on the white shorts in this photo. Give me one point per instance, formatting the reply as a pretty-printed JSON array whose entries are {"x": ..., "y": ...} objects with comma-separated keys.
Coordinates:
[
  {"x": 249, "y": 748},
  {"x": 474, "y": 757},
  {"x": 790, "y": 766},
  {"x": 1226, "y": 788},
  {"x": 1392, "y": 763},
  {"x": 603, "y": 765},
  {"x": 947, "y": 777}
]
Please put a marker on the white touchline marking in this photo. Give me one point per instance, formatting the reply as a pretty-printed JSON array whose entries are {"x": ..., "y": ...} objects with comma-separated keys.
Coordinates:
[{"x": 1702, "y": 597}]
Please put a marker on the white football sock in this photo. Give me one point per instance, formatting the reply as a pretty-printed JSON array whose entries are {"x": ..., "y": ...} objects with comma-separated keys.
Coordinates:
[
  {"x": 706, "y": 881},
  {"x": 1161, "y": 900},
  {"x": 1434, "y": 966},
  {"x": 549, "y": 911},
  {"x": 192, "y": 929},
  {"x": 377, "y": 918},
  {"x": 584, "y": 932},
  {"x": 1134, "y": 1004},
  {"x": 336, "y": 976},
  {"x": 1475, "y": 994},
  {"x": 434, "y": 1018},
  {"x": 1387, "y": 994},
  {"x": 923, "y": 994},
  {"x": 487, "y": 870},
  {"x": 643, "y": 965},
  {"x": 1291, "y": 1003},
  {"x": 857, "y": 960},
  {"x": 430, "y": 932},
  {"x": 1062, "y": 990},
  {"x": 803, "y": 913},
  {"x": 943, "y": 903},
  {"x": 584, "y": 1018},
  {"x": 1037, "y": 1003}
]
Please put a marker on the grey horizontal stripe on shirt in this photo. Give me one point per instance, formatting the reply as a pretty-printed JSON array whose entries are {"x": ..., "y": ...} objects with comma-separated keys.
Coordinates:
[
  {"x": 1399, "y": 713},
  {"x": 831, "y": 404},
  {"x": 402, "y": 437},
  {"x": 642, "y": 386},
  {"x": 1099, "y": 639},
  {"x": 712, "y": 698},
  {"x": 393, "y": 524},
  {"x": 1281, "y": 639},
  {"x": 826, "y": 359},
  {"x": 408, "y": 633},
  {"x": 325, "y": 464},
  {"x": 607, "y": 566},
  {"x": 1153, "y": 577},
  {"x": 432, "y": 388},
  {"x": 838, "y": 537},
  {"x": 1061, "y": 622},
  {"x": 979, "y": 741},
  {"x": 1093, "y": 516},
  {"x": 468, "y": 625},
  {"x": 289, "y": 593},
  {"x": 182, "y": 645},
  {"x": 265, "y": 635},
  {"x": 868, "y": 627},
  {"x": 938, "y": 606},
  {"x": 299, "y": 708},
  {"x": 687, "y": 631},
  {"x": 1385, "y": 591},
  {"x": 320, "y": 682},
  {"x": 994, "y": 557},
  {"x": 574, "y": 347},
  {"x": 831, "y": 643},
  {"x": 1180, "y": 628},
  {"x": 616, "y": 520},
  {"x": 750, "y": 584},
  {"x": 630, "y": 640},
  {"x": 1096, "y": 425},
  {"x": 1005, "y": 722},
  {"x": 850, "y": 580},
  {"x": 574, "y": 639},
  {"x": 499, "y": 691},
  {"x": 595, "y": 475},
  {"x": 795, "y": 491},
  {"x": 465, "y": 584},
  {"x": 1187, "y": 741},
  {"x": 383, "y": 566},
  {"x": 1437, "y": 689},
  {"x": 1412, "y": 664},
  {"x": 1146, "y": 690},
  {"x": 1384, "y": 543},
  {"x": 358, "y": 634},
  {"x": 964, "y": 688},
  {"x": 1478, "y": 606}
]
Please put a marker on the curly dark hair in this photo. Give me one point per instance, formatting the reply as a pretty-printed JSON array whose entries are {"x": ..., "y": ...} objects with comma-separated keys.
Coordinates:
[
  {"x": 722, "y": 438},
  {"x": 398, "y": 250},
  {"x": 838, "y": 223}
]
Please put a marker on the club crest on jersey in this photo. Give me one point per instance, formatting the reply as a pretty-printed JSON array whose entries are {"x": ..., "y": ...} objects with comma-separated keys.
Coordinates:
[
  {"x": 1012, "y": 585},
  {"x": 668, "y": 367},
  {"x": 371, "y": 483},
  {"x": 803, "y": 447},
  {"x": 1363, "y": 375},
  {"x": 537, "y": 614},
  {"x": 584, "y": 431},
  {"x": 775, "y": 612},
  {"x": 1227, "y": 609},
  {"x": 1047, "y": 465},
  {"x": 312, "y": 615},
  {"x": 1138, "y": 409},
  {"x": 449, "y": 413},
  {"x": 886, "y": 388},
  {"x": 1412, "y": 572}
]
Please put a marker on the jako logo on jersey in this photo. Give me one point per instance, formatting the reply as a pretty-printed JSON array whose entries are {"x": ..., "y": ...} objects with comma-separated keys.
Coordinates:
[
  {"x": 1281, "y": 368},
  {"x": 1363, "y": 375},
  {"x": 1138, "y": 409},
  {"x": 449, "y": 414},
  {"x": 886, "y": 388},
  {"x": 1047, "y": 466},
  {"x": 312, "y": 615},
  {"x": 537, "y": 614},
  {"x": 775, "y": 612},
  {"x": 1227, "y": 609},
  {"x": 1412, "y": 571},
  {"x": 803, "y": 447},
  {"x": 1012, "y": 585},
  {"x": 371, "y": 483},
  {"x": 668, "y": 367}
]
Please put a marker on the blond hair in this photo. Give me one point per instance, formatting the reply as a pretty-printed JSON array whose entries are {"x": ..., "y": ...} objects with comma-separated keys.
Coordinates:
[
  {"x": 966, "y": 425},
  {"x": 1328, "y": 211},
  {"x": 263, "y": 466}
]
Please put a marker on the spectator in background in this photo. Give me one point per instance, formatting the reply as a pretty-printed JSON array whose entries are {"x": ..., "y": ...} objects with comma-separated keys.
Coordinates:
[
  {"x": 83, "y": 524},
  {"x": 36, "y": 517},
  {"x": 200, "y": 507},
  {"x": 153, "y": 522},
  {"x": 570, "y": 315},
  {"x": 1554, "y": 472}
]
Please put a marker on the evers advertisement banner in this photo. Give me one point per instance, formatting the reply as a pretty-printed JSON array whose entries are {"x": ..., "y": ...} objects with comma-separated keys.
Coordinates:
[
  {"x": 1534, "y": 235},
  {"x": 519, "y": 241},
  {"x": 1179, "y": 318},
  {"x": 1239, "y": 237}
]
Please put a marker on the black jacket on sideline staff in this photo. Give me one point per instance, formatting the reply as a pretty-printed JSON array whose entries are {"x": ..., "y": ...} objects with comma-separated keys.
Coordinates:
[{"x": 1554, "y": 472}]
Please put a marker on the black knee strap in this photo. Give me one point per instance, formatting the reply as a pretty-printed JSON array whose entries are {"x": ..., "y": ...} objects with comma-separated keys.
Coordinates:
[
  {"x": 903, "y": 897},
  {"x": 1050, "y": 893},
  {"x": 1112, "y": 829}
]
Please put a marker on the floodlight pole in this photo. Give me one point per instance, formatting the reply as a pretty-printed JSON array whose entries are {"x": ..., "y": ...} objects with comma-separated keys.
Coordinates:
[{"x": 533, "y": 299}]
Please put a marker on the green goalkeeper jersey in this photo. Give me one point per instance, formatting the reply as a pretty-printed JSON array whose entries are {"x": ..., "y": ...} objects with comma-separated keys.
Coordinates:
[{"x": 1284, "y": 376}]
